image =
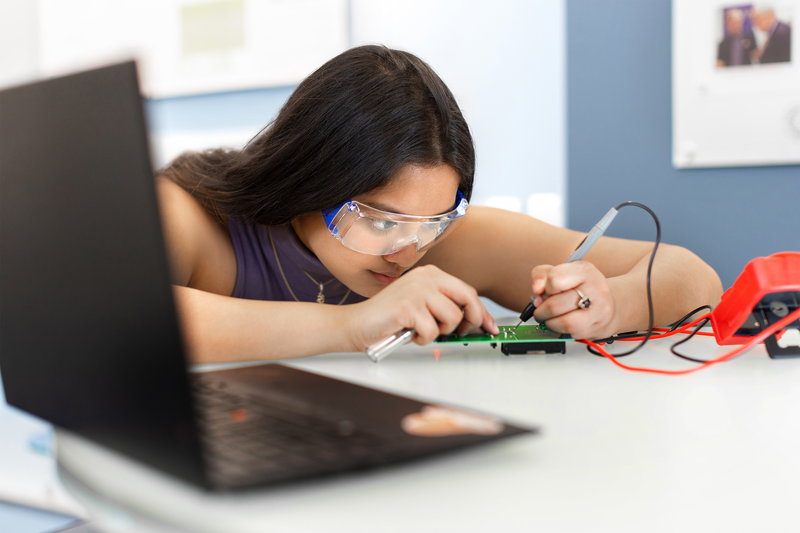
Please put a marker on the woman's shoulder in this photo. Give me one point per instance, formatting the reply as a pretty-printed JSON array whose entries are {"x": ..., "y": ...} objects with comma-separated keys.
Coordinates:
[{"x": 198, "y": 243}]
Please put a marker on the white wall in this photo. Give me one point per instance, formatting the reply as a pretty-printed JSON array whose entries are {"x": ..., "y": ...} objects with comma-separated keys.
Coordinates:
[
  {"x": 504, "y": 60},
  {"x": 19, "y": 38}
]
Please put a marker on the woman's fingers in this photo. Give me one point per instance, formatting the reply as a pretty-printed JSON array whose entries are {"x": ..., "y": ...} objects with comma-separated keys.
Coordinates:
[
  {"x": 558, "y": 302},
  {"x": 427, "y": 300},
  {"x": 564, "y": 302},
  {"x": 446, "y": 313},
  {"x": 567, "y": 276},
  {"x": 485, "y": 323},
  {"x": 474, "y": 313},
  {"x": 539, "y": 278},
  {"x": 426, "y": 328}
]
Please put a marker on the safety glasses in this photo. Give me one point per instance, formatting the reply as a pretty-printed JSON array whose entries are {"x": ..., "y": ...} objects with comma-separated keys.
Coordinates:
[{"x": 371, "y": 231}]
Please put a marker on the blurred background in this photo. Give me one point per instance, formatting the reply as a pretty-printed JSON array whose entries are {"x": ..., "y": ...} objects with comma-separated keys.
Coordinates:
[{"x": 216, "y": 72}]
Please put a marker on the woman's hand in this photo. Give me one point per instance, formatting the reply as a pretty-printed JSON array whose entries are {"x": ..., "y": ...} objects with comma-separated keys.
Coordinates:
[
  {"x": 556, "y": 300},
  {"x": 427, "y": 300}
]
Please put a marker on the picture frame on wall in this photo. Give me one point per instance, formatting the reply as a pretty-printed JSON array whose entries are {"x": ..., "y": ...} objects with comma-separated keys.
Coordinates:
[{"x": 735, "y": 83}]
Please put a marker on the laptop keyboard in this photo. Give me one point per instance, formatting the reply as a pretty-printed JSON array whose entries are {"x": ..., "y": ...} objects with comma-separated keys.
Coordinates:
[{"x": 247, "y": 440}]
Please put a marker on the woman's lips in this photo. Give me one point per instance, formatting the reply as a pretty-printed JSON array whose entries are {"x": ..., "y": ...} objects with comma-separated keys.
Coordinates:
[{"x": 384, "y": 278}]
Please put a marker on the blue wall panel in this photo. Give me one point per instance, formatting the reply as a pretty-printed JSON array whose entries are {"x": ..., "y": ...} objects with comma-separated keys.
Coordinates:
[
  {"x": 619, "y": 146},
  {"x": 236, "y": 109}
]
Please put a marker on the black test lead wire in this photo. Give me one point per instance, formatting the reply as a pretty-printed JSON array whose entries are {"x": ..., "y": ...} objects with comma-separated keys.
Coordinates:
[{"x": 647, "y": 282}]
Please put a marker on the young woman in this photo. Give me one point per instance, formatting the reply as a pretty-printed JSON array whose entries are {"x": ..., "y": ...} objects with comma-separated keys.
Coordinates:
[{"x": 356, "y": 196}]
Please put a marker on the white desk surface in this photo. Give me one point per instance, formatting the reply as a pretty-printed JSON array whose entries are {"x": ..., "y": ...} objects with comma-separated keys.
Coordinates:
[{"x": 718, "y": 450}]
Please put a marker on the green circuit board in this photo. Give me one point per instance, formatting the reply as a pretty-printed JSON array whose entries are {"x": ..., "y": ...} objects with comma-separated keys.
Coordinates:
[{"x": 525, "y": 333}]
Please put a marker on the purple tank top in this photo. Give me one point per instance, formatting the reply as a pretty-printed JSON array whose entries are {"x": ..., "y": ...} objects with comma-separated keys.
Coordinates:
[{"x": 258, "y": 276}]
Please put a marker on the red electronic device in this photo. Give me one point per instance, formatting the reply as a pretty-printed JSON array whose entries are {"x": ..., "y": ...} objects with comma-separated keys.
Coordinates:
[{"x": 766, "y": 291}]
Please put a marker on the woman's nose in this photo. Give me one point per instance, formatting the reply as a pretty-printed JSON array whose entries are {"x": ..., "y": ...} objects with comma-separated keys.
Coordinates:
[{"x": 404, "y": 257}]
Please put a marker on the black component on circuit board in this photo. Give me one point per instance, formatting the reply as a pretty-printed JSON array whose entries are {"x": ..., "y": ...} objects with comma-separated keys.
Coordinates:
[{"x": 522, "y": 348}]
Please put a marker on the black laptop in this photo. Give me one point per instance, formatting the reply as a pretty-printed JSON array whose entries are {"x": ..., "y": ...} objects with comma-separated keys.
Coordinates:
[{"x": 89, "y": 338}]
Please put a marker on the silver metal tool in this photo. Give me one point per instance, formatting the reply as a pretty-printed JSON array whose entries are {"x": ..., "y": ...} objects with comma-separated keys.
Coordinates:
[{"x": 381, "y": 349}]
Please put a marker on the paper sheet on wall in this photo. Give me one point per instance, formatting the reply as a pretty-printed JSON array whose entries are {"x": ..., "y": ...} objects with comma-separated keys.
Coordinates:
[
  {"x": 190, "y": 46},
  {"x": 736, "y": 83}
]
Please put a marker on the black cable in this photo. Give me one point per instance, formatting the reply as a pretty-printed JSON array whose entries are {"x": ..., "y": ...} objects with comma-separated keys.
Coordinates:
[
  {"x": 633, "y": 334},
  {"x": 700, "y": 325},
  {"x": 619, "y": 337},
  {"x": 647, "y": 281},
  {"x": 686, "y": 317}
]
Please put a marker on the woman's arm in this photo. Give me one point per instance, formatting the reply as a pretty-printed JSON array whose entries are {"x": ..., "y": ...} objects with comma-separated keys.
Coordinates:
[
  {"x": 219, "y": 328},
  {"x": 199, "y": 247},
  {"x": 507, "y": 257}
]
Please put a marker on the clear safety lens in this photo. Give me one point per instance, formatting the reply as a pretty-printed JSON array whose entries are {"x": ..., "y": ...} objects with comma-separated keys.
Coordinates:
[{"x": 371, "y": 231}]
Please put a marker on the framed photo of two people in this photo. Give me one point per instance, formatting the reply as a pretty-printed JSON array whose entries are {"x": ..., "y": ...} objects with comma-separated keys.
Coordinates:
[{"x": 736, "y": 83}]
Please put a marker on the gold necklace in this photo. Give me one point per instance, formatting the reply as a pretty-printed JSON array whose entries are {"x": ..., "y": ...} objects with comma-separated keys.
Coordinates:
[{"x": 320, "y": 295}]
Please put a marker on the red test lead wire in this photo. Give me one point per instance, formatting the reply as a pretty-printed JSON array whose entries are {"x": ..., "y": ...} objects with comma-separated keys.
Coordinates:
[
  {"x": 664, "y": 332},
  {"x": 785, "y": 321}
]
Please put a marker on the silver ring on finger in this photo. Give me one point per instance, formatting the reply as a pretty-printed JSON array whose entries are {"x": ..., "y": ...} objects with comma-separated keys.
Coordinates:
[{"x": 584, "y": 302}]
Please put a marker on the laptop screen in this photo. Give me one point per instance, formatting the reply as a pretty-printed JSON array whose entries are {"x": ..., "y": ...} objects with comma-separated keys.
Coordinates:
[{"x": 89, "y": 339}]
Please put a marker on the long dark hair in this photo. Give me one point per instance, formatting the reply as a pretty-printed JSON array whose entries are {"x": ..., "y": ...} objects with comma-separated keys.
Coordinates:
[{"x": 346, "y": 130}]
